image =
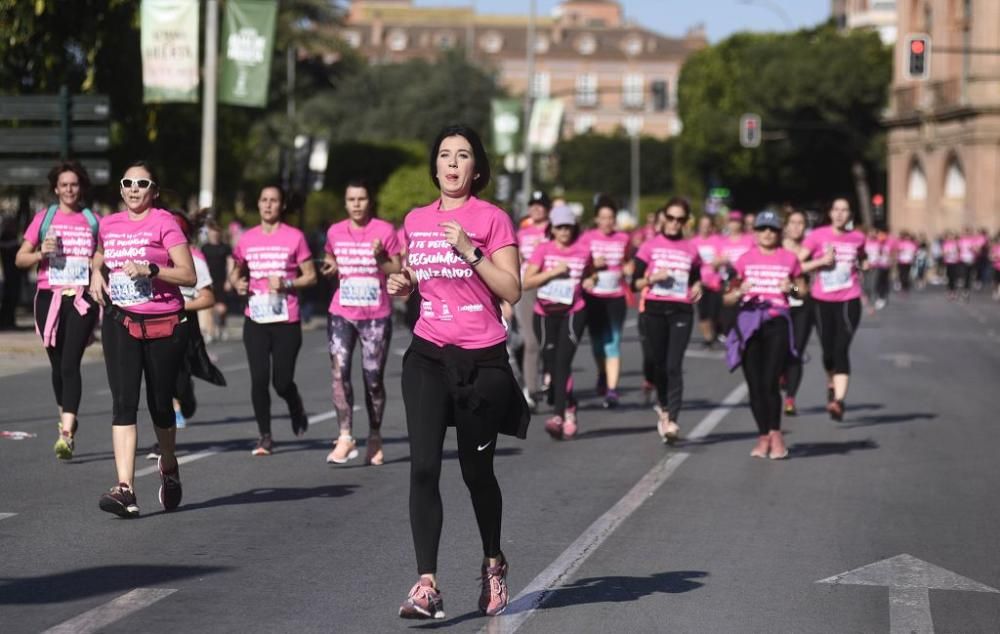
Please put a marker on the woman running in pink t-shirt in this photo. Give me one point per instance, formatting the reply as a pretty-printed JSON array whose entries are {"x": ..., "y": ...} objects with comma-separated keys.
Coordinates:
[{"x": 462, "y": 254}]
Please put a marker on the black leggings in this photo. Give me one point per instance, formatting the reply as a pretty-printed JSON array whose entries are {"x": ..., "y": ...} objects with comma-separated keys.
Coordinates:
[
  {"x": 836, "y": 323},
  {"x": 904, "y": 276},
  {"x": 72, "y": 335},
  {"x": 430, "y": 410},
  {"x": 184, "y": 390},
  {"x": 882, "y": 283},
  {"x": 648, "y": 369},
  {"x": 281, "y": 343},
  {"x": 127, "y": 359},
  {"x": 667, "y": 337},
  {"x": 953, "y": 272},
  {"x": 763, "y": 362},
  {"x": 558, "y": 336},
  {"x": 802, "y": 323}
]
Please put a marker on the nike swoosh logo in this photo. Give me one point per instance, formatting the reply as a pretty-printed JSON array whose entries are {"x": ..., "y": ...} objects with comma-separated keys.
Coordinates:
[{"x": 481, "y": 447}]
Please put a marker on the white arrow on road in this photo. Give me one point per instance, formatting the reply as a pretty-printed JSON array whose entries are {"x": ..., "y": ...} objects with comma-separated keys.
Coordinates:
[
  {"x": 904, "y": 359},
  {"x": 909, "y": 581}
]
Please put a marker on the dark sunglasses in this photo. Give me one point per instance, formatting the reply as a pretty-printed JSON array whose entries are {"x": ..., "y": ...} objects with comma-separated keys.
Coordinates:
[
  {"x": 768, "y": 229},
  {"x": 564, "y": 227},
  {"x": 670, "y": 218},
  {"x": 141, "y": 183}
]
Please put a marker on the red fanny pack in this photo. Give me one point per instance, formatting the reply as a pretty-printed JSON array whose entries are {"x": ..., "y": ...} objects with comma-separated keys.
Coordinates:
[{"x": 152, "y": 327}]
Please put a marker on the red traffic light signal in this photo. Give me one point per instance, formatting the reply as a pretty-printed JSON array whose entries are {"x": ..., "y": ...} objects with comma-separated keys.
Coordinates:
[
  {"x": 918, "y": 57},
  {"x": 878, "y": 200},
  {"x": 750, "y": 135}
]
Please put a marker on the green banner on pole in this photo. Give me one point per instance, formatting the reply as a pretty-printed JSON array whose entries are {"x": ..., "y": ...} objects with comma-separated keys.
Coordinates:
[
  {"x": 247, "y": 45},
  {"x": 506, "y": 125},
  {"x": 169, "y": 43}
]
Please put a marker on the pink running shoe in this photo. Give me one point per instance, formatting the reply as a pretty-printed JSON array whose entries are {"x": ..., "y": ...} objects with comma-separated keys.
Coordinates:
[
  {"x": 554, "y": 427},
  {"x": 494, "y": 595},
  {"x": 569, "y": 423},
  {"x": 424, "y": 602}
]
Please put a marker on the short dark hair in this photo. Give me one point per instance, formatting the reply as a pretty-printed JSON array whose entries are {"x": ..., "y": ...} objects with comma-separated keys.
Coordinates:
[
  {"x": 679, "y": 201},
  {"x": 603, "y": 200},
  {"x": 146, "y": 165},
  {"x": 549, "y": 235},
  {"x": 833, "y": 200},
  {"x": 70, "y": 166},
  {"x": 281, "y": 192},
  {"x": 479, "y": 156},
  {"x": 363, "y": 183}
]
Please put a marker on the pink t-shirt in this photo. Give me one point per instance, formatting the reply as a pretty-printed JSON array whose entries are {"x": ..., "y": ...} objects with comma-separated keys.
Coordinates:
[
  {"x": 879, "y": 252},
  {"x": 677, "y": 256},
  {"x": 766, "y": 271},
  {"x": 280, "y": 253},
  {"x": 906, "y": 251},
  {"x": 361, "y": 292},
  {"x": 840, "y": 282},
  {"x": 708, "y": 251},
  {"x": 968, "y": 248},
  {"x": 613, "y": 248},
  {"x": 145, "y": 241},
  {"x": 457, "y": 308},
  {"x": 72, "y": 262},
  {"x": 401, "y": 239},
  {"x": 950, "y": 252},
  {"x": 733, "y": 247},
  {"x": 528, "y": 238},
  {"x": 562, "y": 294},
  {"x": 995, "y": 255}
]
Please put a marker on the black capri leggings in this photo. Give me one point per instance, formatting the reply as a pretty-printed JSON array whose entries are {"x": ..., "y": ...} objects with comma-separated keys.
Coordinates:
[
  {"x": 558, "y": 336},
  {"x": 667, "y": 337},
  {"x": 72, "y": 335},
  {"x": 763, "y": 362},
  {"x": 802, "y": 323},
  {"x": 903, "y": 270},
  {"x": 953, "y": 272},
  {"x": 430, "y": 410},
  {"x": 129, "y": 359},
  {"x": 278, "y": 343},
  {"x": 836, "y": 323}
]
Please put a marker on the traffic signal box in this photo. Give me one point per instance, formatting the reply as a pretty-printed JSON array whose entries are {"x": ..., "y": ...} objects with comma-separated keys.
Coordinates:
[
  {"x": 750, "y": 134},
  {"x": 918, "y": 57}
]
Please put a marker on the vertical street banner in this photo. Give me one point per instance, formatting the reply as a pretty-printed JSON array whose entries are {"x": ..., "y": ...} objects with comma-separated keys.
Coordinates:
[
  {"x": 546, "y": 124},
  {"x": 506, "y": 125},
  {"x": 247, "y": 45},
  {"x": 169, "y": 43}
]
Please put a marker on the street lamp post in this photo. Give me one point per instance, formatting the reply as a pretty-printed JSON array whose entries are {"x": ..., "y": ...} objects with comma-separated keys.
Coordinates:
[
  {"x": 774, "y": 8},
  {"x": 528, "y": 99}
]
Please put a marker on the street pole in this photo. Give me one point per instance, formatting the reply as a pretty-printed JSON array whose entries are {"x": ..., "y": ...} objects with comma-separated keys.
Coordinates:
[
  {"x": 528, "y": 99},
  {"x": 206, "y": 195},
  {"x": 634, "y": 141}
]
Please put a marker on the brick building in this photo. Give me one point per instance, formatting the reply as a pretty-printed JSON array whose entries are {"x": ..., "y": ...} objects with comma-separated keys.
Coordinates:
[
  {"x": 602, "y": 65},
  {"x": 877, "y": 15},
  {"x": 944, "y": 133}
]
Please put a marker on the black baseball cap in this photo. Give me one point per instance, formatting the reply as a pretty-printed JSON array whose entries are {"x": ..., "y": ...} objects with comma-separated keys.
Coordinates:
[{"x": 538, "y": 197}]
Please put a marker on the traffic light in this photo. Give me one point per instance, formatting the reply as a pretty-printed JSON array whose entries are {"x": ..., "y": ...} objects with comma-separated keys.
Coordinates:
[
  {"x": 750, "y": 130},
  {"x": 659, "y": 90},
  {"x": 918, "y": 57}
]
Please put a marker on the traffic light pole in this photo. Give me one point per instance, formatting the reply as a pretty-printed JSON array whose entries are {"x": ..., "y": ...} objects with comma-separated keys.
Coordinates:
[
  {"x": 206, "y": 194},
  {"x": 526, "y": 184}
]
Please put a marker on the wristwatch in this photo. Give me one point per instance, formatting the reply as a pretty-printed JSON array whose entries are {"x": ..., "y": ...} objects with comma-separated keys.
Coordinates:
[
  {"x": 477, "y": 257},
  {"x": 154, "y": 270}
]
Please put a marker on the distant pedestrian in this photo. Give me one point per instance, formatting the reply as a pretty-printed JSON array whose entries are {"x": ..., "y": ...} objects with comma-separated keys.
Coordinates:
[
  {"x": 800, "y": 306},
  {"x": 219, "y": 257}
]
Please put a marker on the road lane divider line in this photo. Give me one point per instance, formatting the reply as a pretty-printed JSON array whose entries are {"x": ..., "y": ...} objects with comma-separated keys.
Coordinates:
[
  {"x": 4, "y": 516},
  {"x": 211, "y": 451},
  {"x": 112, "y": 611},
  {"x": 532, "y": 597}
]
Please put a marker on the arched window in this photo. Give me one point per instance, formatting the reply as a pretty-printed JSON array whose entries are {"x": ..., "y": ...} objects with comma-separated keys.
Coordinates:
[
  {"x": 954, "y": 181},
  {"x": 916, "y": 184}
]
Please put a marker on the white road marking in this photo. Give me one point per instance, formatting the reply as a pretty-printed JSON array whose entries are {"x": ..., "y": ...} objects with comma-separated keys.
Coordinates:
[
  {"x": 909, "y": 581},
  {"x": 904, "y": 359},
  {"x": 523, "y": 606},
  {"x": 115, "y": 610},
  {"x": 235, "y": 366},
  {"x": 705, "y": 354},
  {"x": 211, "y": 451},
  {"x": 4, "y": 516},
  {"x": 631, "y": 322}
]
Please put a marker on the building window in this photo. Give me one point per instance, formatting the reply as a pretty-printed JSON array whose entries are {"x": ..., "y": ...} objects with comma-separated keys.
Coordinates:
[
  {"x": 445, "y": 40},
  {"x": 916, "y": 187},
  {"x": 954, "y": 181},
  {"x": 586, "y": 90},
  {"x": 632, "y": 91},
  {"x": 586, "y": 44},
  {"x": 353, "y": 38},
  {"x": 540, "y": 86},
  {"x": 491, "y": 42},
  {"x": 396, "y": 40},
  {"x": 632, "y": 45},
  {"x": 583, "y": 123},
  {"x": 542, "y": 44}
]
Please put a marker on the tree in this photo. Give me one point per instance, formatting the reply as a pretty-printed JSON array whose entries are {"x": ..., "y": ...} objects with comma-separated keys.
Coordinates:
[
  {"x": 820, "y": 94},
  {"x": 584, "y": 161}
]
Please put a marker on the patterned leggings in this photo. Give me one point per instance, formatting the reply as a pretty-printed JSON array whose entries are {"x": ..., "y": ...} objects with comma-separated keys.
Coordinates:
[{"x": 375, "y": 336}]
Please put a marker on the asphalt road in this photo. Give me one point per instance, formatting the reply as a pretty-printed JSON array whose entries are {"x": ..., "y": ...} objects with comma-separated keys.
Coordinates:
[{"x": 609, "y": 532}]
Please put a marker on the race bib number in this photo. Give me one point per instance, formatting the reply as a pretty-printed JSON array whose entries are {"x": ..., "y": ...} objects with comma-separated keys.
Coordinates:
[
  {"x": 707, "y": 254},
  {"x": 608, "y": 281},
  {"x": 836, "y": 279},
  {"x": 72, "y": 270},
  {"x": 360, "y": 291},
  {"x": 268, "y": 308},
  {"x": 125, "y": 291},
  {"x": 558, "y": 291},
  {"x": 675, "y": 286}
]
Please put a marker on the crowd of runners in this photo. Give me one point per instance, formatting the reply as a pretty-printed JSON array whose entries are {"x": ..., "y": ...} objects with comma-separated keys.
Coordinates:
[{"x": 484, "y": 297}]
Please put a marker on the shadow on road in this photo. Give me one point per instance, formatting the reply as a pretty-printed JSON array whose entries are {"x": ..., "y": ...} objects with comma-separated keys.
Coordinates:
[
  {"x": 888, "y": 419},
  {"x": 88, "y": 582},
  {"x": 851, "y": 407},
  {"x": 716, "y": 438},
  {"x": 819, "y": 449},
  {"x": 265, "y": 495}
]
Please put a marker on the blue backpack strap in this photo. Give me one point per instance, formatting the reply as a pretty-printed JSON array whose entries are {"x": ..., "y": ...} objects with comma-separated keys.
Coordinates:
[
  {"x": 92, "y": 221},
  {"x": 46, "y": 222}
]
